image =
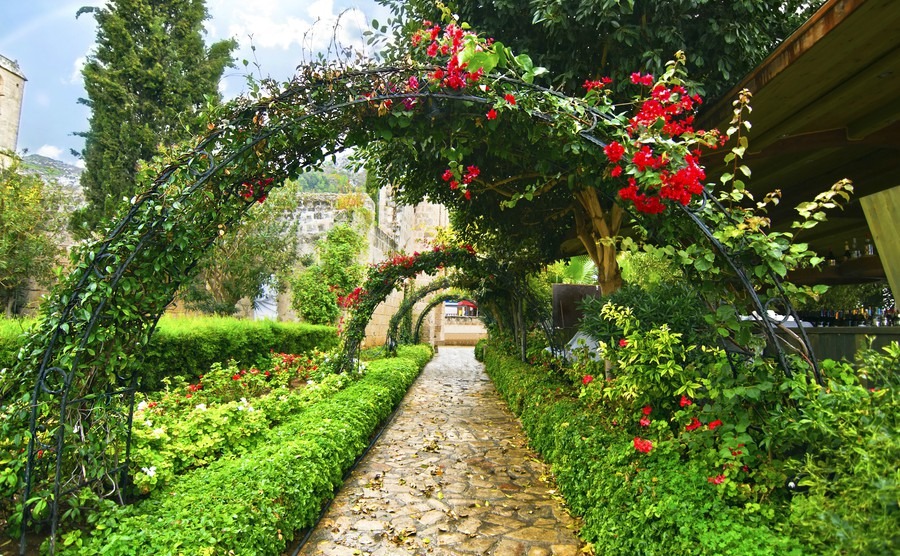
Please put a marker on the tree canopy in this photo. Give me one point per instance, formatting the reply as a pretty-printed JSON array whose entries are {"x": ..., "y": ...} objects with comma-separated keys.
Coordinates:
[
  {"x": 30, "y": 223},
  {"x": 149, "y": 68},
  {"x": 722, "y": 40}
]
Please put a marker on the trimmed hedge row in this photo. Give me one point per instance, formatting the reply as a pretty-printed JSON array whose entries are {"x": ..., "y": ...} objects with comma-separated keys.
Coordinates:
[
  {"x": 188, "y": 346},
  {"x": 253, "y": 504},
  {"x": 659, "y": 506}
]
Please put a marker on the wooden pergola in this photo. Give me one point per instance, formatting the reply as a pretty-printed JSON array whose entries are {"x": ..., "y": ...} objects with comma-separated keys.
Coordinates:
[{"x": 826, "y": 106}]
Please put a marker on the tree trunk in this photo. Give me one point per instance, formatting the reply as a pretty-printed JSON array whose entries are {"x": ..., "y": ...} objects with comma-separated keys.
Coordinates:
[{"x": 598, "y": 230}]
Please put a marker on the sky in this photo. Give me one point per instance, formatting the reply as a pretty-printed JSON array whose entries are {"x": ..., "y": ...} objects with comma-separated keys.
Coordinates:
[{"x": 50, "y": 46}]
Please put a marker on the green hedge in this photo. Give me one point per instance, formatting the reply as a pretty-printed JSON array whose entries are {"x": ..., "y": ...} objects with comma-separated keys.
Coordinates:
[
  {"x": 188, "y": 346},
  {"x": 656, "y": 504},
  {"x": 253, "y": 504}
]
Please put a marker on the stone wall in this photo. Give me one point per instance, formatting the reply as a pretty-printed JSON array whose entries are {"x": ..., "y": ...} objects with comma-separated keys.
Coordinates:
[{"x": 462, "y": 331}]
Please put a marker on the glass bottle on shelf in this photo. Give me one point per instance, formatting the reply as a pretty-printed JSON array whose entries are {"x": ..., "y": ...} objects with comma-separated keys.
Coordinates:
[
  {"x": 854, "y": 253},
  {"x": 846, "y": 251},
  {"x": 830, "y": 260},
  {"x": 870, "y": 247}
]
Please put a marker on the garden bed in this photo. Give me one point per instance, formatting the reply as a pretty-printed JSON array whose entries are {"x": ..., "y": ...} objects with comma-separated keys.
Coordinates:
[{"x": 240, "y": 461}]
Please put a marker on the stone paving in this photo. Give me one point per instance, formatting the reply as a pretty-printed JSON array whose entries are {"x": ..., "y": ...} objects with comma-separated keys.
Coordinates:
[{"x": 452, "y": 474}]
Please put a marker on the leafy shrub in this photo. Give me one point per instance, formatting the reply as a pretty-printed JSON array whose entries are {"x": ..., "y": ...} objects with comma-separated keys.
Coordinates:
[
  {"x": 314, "y": 300},
  {"x": 253, "y": 503},
  {"x": 674, "y": 304}
]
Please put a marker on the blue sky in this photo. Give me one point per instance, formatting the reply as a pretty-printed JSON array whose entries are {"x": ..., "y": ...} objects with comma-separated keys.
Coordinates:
[{"x": 50, "y": 46}]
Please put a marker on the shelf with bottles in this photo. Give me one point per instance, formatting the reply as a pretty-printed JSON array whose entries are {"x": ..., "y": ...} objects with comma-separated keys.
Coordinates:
[
  {"x": 860, "y": 316},
  {"x": 855, "y": 266}
]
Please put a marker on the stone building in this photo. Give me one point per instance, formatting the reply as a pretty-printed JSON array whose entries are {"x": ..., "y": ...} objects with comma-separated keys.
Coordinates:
[{"x": 12, "y": 87}]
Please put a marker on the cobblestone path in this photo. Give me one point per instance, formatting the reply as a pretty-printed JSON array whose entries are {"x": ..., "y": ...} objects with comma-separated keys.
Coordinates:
[{"x": 452, "y": 474}]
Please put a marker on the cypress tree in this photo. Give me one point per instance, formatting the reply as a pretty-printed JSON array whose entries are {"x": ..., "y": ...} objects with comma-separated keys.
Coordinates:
[{"x": 149, "y": 67}]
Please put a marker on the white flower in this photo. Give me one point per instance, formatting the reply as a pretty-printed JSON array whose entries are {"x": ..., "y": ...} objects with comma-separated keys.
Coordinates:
[
  {"x": 148, "y": 423},
  {"x": 159, "y": 431},
  {"x": 201, "y": 406},
  {"x": 142, "y": 406},
  {"x": 149, "y": 471},
  {"x": 76, "y": 429}
]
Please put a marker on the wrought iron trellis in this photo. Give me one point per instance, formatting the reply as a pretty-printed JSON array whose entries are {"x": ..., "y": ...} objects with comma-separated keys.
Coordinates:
[{"x": 189, "y": 204}]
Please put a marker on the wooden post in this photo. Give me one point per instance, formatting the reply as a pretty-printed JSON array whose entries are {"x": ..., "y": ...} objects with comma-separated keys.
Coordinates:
[{"x": 882, "y": 212}]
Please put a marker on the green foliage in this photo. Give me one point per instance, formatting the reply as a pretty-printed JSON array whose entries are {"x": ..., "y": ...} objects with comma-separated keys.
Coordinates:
[
  {"x": 648, "y": 266},
  {"x": 253, "y": 502},
  {"x": 575, "y": 270},
  {"x": 12, "y": 335},
  {"x": 149, "y": 67},
  {"x": 313, "y": 298},
  {"x": 676, "y": 305},
  {"x": 30, "y": 224},
  {"x": 851, "y": 480},
  {"x": 339, "y": 255},
  {"x": 320, "y": 290},
  {"x": 723, "y": 40},
  {"x": 189, "y": 346}
]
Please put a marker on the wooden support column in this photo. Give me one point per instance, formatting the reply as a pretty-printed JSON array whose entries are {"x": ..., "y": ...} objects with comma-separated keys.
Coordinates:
[{"x": 882, "y": 211}]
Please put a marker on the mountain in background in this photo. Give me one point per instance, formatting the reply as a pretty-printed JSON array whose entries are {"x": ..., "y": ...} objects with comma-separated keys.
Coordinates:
[
  {"x": 53, "y": 170},
  {"x": 337, "y": 177}
]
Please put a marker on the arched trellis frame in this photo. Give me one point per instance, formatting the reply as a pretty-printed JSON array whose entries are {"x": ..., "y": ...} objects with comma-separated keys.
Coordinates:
[
  {"x": 406, "y": 306},
  {"x": 79, "y": 364},
  {"x": 432, "y": 303}
]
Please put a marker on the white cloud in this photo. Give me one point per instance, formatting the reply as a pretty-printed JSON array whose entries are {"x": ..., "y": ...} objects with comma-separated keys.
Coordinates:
[
  {"x": 75, "y": 77},
  {"x": 50, "y": 151}
]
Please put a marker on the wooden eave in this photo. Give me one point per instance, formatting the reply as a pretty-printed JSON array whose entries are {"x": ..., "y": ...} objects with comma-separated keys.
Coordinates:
[{"x": 826, "y": 106}]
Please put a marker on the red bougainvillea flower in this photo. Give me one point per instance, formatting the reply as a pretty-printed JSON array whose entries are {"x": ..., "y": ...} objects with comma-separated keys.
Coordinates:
[
  {"x": 235, "y": 377},
  {"x": 491, "y": 114},
  {"x": 642, "y": 445},
  {"x": 468, "y": 195},
  {"x": 714, "y": 425},
  {"x": 616, "y": 171},
  {"x": 587, "y": 380},
  {"x": 646, "y": 410},
  {"x": 685, "y": 401},
  {"x": 645, "y": 422},
  {"x": 590, "y": 84},
  {"x": 717, "y": 480},
  {"x": 510, "y": 99},
  {"x": 694, "y": 425},
  {"x": 447, "y": 175},
  {"x": 614, "y": 151},
  {"x": 623, "y": 342},
  {"x": 645, "y": 80}
]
